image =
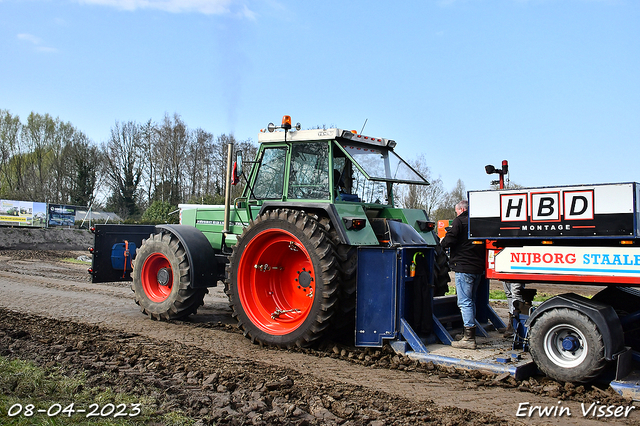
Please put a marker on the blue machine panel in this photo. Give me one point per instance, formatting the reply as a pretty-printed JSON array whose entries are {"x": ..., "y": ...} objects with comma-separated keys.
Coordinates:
[
  {"x": 375, "y": 296},
  {"x": 120, "y": 261}
]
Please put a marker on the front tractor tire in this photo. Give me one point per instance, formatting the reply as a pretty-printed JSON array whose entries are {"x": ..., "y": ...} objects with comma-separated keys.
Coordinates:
[
  {"x": 283, "y": 279},
  {"x": 161, "y": 279},
  {"x": 567, "y": 346}
]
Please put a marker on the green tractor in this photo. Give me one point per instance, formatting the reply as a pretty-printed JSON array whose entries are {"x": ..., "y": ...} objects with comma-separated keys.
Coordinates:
[{"x": 287, "y": 249}]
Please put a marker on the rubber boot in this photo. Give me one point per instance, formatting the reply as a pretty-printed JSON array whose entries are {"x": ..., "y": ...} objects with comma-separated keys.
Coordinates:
[
  {"x": 468, "y": 341},
  {"x": 509, "y": 330}
]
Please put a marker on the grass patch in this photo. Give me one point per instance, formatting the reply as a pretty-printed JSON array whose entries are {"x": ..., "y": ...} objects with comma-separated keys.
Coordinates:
[
  {"x": 500, "y": 295},
  {"x": 73, "y": 260},
  {"x": 23, "y": 383},
  {"x": 497, "y": 294},
  {"x": 541, "y": 297}
]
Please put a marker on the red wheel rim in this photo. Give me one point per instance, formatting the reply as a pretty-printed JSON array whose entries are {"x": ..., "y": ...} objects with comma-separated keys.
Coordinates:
[
  {"x": 276, "y": 282},
  {"x": 157, "y": 277}
]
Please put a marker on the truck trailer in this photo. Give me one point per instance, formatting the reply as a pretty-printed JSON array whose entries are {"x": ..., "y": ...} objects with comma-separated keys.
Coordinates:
[{"x": 578, "y": 235}]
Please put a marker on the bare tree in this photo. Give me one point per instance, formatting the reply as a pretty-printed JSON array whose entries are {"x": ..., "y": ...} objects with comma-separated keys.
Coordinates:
[
  {"x": 61, "y": 173},
  {"x": 198, "y": 159},
  {"x": 50, "y": 160},
  {"x": 124, "y": 167},
  {"x": 149, "y": 141},
  {"x": 10, "y": 155},
  {"x": 173, "y": 139},
  {"x": 40, "y": 161},
  {"x": 446, "y": 210},
  {"x": 219, "y": 163},
  {"x": 37, "y": 139},
  {"x": 507, "y": 185},
  {"x": 423, "y": 197},
  {"x": 86, "y": 159},
  {"x": 219, "y": 160}
]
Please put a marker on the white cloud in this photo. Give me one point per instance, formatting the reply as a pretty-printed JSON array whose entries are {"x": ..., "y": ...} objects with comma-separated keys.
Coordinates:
[
  {"x": 37, "y": 42},
  {"x": 207, "y": 7},
  {"x": 247, "y": 13},
  {"x": 30, "y": 38}
]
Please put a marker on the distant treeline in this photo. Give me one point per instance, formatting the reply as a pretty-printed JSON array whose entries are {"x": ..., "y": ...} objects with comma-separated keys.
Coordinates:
[{"x": 166, "y": 163}]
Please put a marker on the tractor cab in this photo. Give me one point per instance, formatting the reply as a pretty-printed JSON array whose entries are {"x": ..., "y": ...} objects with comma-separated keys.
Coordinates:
[
  {"x": 325, "y": 166},
  {"x": 338, "y": 174}
]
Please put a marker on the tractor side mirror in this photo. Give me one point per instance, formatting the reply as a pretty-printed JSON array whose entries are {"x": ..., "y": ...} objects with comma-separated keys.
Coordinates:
[{"x": 239, "y": 162}]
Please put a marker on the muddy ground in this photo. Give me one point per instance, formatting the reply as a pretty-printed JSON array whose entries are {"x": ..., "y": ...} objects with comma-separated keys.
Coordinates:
[
  {"x": 205, "y": 368},
  {"x": 55, "y": 238}
]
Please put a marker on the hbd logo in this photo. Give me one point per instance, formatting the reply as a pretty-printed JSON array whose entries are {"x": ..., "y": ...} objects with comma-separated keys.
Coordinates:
[{"x": 547, "y": 206}]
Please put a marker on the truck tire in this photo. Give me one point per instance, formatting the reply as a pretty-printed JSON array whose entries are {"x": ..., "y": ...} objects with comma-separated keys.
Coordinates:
[
  {"x": 567, "y": 346},
  {"x": 283, "y": 279},
  {"x": 161, "y": 279}
]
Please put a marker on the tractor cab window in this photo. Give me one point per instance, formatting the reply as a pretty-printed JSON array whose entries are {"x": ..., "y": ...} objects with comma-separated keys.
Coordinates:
[
  {"x": 369, "y": 191},
  {"x": 269, "y": 182},
  {"x": 352, "y": 185},
  {"x": 369, "y": 172},
  {"x": 383, "y": 164},
  {"x": 309, "y": 173}
]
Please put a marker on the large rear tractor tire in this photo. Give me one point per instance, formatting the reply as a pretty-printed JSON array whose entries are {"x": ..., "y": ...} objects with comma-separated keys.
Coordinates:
[
  {"x": 161, "y": 279},
  {"x": 567, "y": 346},
  {"x": 344, "y": 320},
  {"x": 283, "y": 279},
  {"x": 346, "y": 306}
]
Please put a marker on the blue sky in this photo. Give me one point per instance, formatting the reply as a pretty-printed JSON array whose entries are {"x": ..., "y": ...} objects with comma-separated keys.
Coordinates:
[{"x": 552, "y": 86}]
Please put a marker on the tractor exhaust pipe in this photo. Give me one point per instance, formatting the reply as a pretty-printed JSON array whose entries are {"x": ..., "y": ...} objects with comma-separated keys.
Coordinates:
[{"x": 227, "y": 192}]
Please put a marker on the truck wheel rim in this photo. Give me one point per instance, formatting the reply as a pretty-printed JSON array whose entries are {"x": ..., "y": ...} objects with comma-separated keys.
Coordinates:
[
  {"x": 157, "y": 277},
  {"x": 566, "y": 346},
  {"x": 276, "y": 282}
]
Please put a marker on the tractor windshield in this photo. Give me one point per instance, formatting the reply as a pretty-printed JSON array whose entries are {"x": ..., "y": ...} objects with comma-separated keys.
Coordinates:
[{"x": 382, "y": 164}]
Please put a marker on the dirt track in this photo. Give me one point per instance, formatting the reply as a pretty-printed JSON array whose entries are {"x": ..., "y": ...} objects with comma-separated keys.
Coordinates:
[{"x": 49, "y": 311}]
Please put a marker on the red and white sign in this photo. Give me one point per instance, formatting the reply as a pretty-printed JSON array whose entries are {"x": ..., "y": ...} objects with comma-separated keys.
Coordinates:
[{"x": 623, "y": 262}]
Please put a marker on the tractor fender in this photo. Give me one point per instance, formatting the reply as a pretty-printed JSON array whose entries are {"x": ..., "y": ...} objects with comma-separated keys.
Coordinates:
[
  {"x": 604, "y": 316},
  {"x": 205, "y": 269}
]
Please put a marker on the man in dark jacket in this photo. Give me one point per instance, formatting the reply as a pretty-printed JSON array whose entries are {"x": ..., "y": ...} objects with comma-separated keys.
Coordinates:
[{"x": 467, "y": 260}]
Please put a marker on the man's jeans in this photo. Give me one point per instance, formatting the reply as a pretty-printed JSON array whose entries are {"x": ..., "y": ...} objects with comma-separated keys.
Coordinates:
[{"x": 466, "y": 288}]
